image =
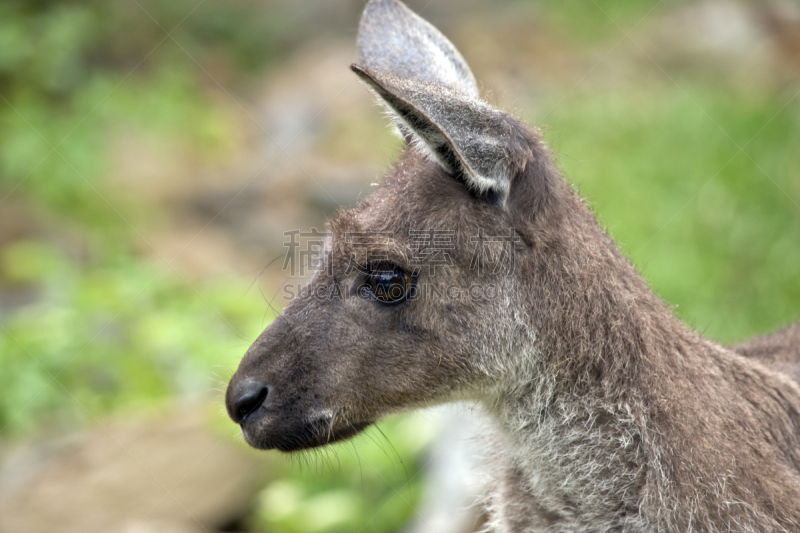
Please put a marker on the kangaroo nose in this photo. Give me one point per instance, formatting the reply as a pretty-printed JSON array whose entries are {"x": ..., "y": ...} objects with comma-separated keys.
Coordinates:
[{"x": 248, "y": 395}]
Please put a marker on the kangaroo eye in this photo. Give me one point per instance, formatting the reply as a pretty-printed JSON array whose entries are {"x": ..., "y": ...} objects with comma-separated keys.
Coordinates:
[{"x": 388, "y": 283}]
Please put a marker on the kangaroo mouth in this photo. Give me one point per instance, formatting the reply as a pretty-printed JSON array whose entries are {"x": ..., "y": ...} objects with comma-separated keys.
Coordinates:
[
  {"x": 304, "y": 436},
  {"x": 321, "y": 432}
]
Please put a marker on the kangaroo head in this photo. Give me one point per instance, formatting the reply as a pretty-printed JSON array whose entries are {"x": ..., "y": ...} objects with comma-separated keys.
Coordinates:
[{"x": 426, "y": 292}]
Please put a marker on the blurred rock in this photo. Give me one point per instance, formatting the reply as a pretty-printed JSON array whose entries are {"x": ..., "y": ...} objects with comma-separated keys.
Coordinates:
[
  {"x": 782, "y": 19},
  {"x": 455, "y": 476},
  {"x": 752, "y": 44},
  {"x": 162, "y": 526},
  {"x": 170, "y": 475}
]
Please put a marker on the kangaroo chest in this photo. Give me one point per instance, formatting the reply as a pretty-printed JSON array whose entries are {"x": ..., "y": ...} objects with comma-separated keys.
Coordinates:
[{"x": 570, "y": 472}]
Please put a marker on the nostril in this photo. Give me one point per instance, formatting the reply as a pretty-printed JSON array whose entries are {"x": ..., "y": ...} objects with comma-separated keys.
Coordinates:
[{"x": 252, "y": 396}]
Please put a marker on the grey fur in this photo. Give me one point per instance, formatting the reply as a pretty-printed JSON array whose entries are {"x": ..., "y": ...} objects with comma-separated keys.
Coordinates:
[{"x": 610, "y": 413}]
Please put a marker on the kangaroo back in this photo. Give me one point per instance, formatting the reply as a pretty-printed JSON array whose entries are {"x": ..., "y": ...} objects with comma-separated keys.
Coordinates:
[{"x": 780, "y": 351}]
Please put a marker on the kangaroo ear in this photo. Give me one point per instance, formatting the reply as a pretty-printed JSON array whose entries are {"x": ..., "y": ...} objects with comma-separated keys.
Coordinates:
[
  {"x": 433, "y": 99},
  {"x": 392, "y": 38}
]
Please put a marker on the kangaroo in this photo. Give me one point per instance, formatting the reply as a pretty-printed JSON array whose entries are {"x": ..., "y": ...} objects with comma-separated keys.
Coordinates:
[{"x": 610, "y": 413}]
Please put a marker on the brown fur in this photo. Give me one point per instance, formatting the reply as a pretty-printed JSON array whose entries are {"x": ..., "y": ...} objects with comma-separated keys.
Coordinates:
[{"x": 611, "y": 414}]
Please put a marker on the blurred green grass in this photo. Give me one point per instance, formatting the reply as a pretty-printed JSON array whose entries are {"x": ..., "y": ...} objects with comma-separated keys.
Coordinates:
[
  {"x": 373, "y": 483},
  {"x": 715, "y": 229},
  {"x": 111, "y": 324},
  {"x": 699, "y": 186}
]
